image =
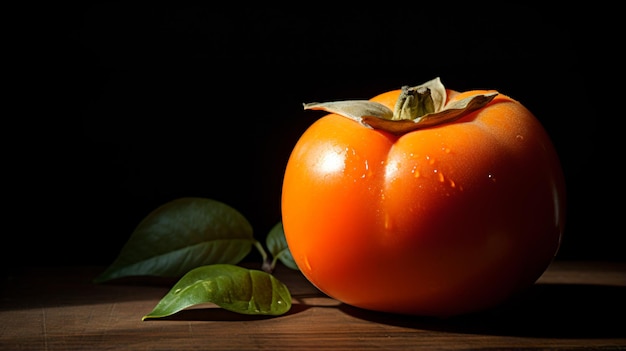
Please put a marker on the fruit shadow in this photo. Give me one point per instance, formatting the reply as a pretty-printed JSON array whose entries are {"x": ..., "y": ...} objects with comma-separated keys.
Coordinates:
[{"x": 545, "y": 310}]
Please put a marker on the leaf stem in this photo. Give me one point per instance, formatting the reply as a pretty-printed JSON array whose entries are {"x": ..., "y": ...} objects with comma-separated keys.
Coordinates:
[{"x": 266, "y": 266}]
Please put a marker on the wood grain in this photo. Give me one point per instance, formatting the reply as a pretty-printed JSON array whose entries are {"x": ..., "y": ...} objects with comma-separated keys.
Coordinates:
[{"x": 573, "y": 306}]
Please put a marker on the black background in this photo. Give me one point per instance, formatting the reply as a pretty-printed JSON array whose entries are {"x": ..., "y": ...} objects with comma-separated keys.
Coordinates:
[{"x": 123, "y": 107}]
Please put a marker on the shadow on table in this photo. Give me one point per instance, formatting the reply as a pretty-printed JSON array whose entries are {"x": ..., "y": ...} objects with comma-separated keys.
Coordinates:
[
  {"x": 222, "y": 315},
  {"x": 546, "y": 310}
]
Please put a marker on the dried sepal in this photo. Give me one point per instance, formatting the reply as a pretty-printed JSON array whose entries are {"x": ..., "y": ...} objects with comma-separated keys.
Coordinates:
[{"x": 417, "y": 107}]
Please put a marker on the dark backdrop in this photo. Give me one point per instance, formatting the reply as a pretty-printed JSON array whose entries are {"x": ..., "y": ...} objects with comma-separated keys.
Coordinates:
[{"x": 123, "y": 107}]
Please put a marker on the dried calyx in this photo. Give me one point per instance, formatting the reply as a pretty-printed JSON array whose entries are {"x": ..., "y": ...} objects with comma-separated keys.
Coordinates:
[{"x": 417, "y": 107}]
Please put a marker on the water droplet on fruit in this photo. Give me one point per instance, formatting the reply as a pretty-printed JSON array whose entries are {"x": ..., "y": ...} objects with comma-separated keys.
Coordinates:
[
  {"x": 441, "y": 177},
  {"x": 307, "y": 264},
  {"x": 367, "y": 170},
  {"x": 388, "y": 222}
]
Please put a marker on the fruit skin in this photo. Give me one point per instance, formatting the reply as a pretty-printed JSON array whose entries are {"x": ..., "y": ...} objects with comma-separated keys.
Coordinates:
[{"x": 442, "y": 221}]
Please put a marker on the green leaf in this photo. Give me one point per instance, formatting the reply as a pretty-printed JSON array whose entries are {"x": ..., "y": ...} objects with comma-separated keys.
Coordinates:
[
  {"x": 277, "y": 245},
  {"x": 231, "y": 287},
  {"x": 181, "y": 235}
]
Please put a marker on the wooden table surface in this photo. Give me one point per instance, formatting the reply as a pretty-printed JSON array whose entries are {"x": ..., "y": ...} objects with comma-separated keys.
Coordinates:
[{"x": 573, "y": 306}]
